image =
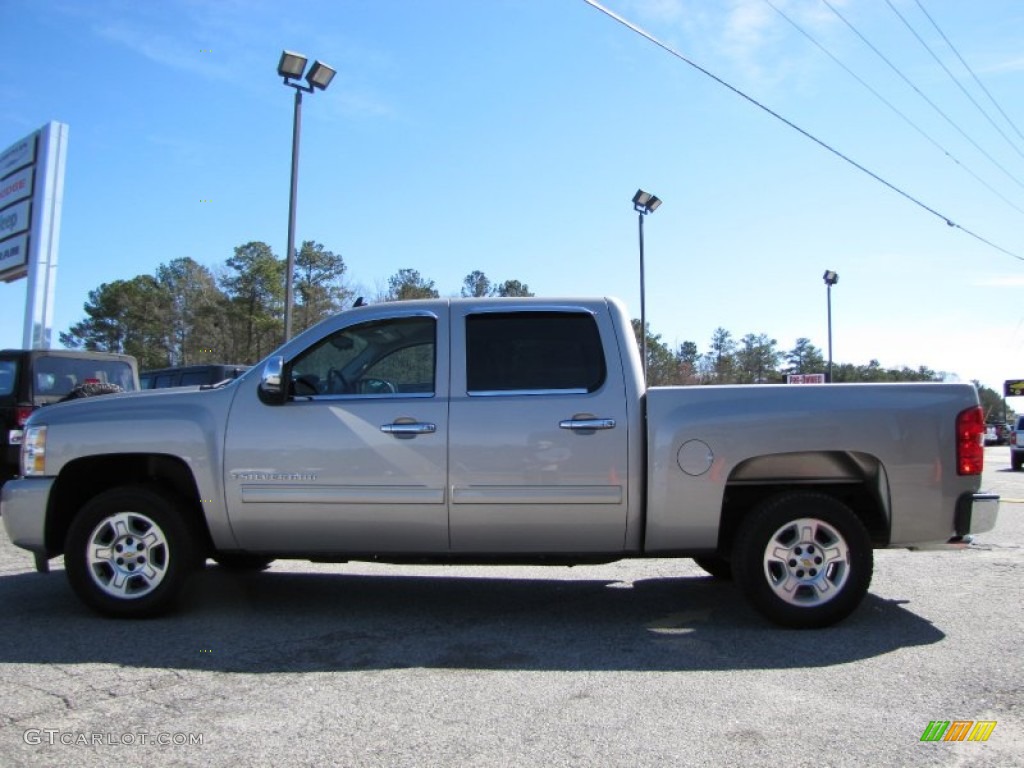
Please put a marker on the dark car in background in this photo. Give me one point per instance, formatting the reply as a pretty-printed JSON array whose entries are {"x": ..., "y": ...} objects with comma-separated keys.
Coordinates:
[
  {"x": 31, "y": 379},
  {"x": 190, "y": 375}
]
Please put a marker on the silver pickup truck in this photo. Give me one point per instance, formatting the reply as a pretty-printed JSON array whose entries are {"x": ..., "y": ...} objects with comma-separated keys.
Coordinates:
[{"x": 496, "y": 431}]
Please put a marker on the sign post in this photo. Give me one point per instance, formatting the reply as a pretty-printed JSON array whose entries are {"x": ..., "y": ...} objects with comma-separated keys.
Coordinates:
[{"x": 31, "y": 197}]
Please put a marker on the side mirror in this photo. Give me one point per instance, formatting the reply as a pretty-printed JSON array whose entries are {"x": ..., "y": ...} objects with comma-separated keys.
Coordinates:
[{"x": 271, "y": 389}]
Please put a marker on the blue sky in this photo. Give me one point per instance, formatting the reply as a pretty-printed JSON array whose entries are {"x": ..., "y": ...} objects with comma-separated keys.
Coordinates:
[{"x": 510, "y": 135}]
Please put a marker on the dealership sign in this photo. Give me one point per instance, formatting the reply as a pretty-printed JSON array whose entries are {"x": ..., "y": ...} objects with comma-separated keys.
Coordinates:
[
  {"x": 18, "y": 155},
  {"x": 14, "y": 219},
  {"x": 805, "y": 378},
  {"x": 31, "y": 196},
  {"x": 13, "y": 253}
]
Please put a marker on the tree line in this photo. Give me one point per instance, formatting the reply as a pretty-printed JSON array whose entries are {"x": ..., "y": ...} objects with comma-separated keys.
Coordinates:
[
  {"x": 757, "y": 359},
  {"x": 186, "y": 313}
]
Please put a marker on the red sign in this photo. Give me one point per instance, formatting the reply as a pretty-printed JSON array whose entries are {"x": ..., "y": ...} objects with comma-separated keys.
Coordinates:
[{"x": 805, "y": 378}]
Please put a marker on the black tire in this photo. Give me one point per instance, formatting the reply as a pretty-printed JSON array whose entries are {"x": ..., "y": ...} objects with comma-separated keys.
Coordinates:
[
  {"x": 805, "y": 575},
  {"x": 716, "y": 565},
  {"x": 242, "y": 561},
  {"x": 129, "y": 551},
  {"x": 1016, "y": 461}
]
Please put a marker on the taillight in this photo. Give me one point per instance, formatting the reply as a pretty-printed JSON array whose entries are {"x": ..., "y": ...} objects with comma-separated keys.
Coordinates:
[
  {"x": 970, "y": 441},
  {"x": 21, "y": 414}
]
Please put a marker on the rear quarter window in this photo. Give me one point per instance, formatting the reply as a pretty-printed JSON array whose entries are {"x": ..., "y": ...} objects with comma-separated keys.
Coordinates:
[{"x": 8, "y": 376}]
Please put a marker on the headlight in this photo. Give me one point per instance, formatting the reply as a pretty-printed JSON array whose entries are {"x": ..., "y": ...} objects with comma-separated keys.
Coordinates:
[{"x": 33, "y": 452}]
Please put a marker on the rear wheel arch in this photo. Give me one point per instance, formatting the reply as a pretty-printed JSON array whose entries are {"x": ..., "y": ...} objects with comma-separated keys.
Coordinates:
[{"x": 858, "y": 480}]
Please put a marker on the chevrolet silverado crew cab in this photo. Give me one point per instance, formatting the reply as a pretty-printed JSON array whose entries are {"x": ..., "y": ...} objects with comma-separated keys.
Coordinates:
[{"x": 497, "y": 431}]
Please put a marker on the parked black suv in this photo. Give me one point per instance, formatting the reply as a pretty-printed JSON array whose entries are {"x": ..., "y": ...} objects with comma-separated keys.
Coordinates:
[
  {"x": 30, "y": 379},
  {"x": 190, "y": 375}
]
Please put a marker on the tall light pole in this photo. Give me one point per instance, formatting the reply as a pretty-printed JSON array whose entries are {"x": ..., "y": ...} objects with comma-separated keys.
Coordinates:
[
  {"x": 291, "y": 67},
  {"x": 831, "y": 278},
  {"x": 643, "y": 203}
]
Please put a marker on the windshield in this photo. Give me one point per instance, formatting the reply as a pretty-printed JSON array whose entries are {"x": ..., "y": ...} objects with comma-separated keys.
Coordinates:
[{"x": 56, "y": 376}]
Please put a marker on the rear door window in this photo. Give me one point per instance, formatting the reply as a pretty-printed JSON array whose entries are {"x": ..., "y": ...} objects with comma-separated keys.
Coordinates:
[{"x": 522, "y": 352}]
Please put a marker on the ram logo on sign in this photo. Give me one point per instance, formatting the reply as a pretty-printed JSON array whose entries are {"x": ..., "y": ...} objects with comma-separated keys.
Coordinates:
[{"x": 1013, "y": 387}]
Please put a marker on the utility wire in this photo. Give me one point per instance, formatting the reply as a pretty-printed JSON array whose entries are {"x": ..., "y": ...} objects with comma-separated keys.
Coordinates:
[
  {"x": 971, "y": 71},
  {"x": 673, "y": 52},
  {"x": 891, "y": 106},
  {"x": 953, "y": 78},
  {"x": 920, "y": 93}
]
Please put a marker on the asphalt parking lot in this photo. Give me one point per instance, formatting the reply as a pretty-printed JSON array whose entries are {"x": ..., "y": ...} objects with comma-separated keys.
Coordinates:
[{"x": 643, "y": 663}]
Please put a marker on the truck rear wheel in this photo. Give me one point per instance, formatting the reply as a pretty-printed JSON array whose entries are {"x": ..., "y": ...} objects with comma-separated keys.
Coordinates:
[
  {"x": 129, "y": 552},
  {"x": 803, "y": 560}
]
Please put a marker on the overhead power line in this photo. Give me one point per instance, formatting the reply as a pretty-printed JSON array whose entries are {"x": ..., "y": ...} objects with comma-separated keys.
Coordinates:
[
  {"x": 956, "y": 82},
  {"x": 921, "y": 93},
  {"x": 895, "y": 109},
  {"x": 673, "y": 52},
  {"x": 971, "y": 71}
]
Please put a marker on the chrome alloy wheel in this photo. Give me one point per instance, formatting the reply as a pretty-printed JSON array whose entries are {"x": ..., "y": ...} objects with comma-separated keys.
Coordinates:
[
  {"x": 806, "y": 562},
  {"x": 127, "y": 555}
]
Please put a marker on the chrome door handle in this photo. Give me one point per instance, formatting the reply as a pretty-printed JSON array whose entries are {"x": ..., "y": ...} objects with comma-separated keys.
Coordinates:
[
  {"x": 587, "y": 424},
  {"x": 409, "y": 428}
]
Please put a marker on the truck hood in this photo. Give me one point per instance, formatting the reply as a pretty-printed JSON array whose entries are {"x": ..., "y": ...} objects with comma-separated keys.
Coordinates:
[{"x": 122, "y": 404}]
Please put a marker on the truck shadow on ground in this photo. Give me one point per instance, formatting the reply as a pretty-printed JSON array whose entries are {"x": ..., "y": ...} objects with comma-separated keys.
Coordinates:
[{"x": 281, "y": 621}]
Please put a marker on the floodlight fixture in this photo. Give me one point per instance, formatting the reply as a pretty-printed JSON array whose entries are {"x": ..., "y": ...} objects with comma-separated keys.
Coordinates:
[
  {"x": 830, "y": 277},
  {"x": 291, "y": 65},
  {"x": 320, "y": 75},
  {"x": 645, "y": 202}
]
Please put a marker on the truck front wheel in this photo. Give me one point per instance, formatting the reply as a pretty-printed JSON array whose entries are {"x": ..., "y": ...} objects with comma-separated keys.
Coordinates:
[
  {"x": 803, "y": 560},
  {"x": 129, "y": 552}
]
